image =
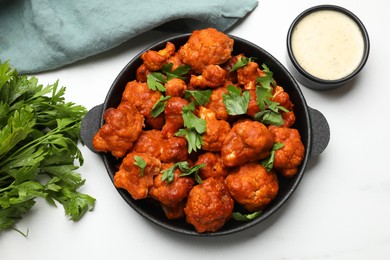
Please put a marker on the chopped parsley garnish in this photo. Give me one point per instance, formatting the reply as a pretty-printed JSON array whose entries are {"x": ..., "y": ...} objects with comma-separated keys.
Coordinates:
[
  {"x": 194, "y": 128},
  {"x": 155, "y": 80},
  {"x": 140, "y": 162},
  {"x": 269, "y": 110},
  {"x": 242, "y": 62},
  {"x": 169, "y": 175},
  {"x": 179, "y": 72},
  {"x": 246, "y": 217},
  {"x": 199, "y": 97},
  {"x": 191, "y": 121},
  {"x": 268, "y": 163},
  {"x": 266, "y": 80},
  {"x": 159, "y": 107},
  {"x": 235, "y": 103},
  {"x": 194, "y": 139}
]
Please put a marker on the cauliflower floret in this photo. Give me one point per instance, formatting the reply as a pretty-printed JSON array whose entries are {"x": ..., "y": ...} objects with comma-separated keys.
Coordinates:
[
  {"x": 133, "y": 178},
  {"x": 173, "y": 116},
  {"x": 247, "y": 141},
  {"x": 155, "y": 60},
  {"x": 209, "y": 205},
  {"x": 121, "y": 129},
  {"x": 214, "y": 166},
  {"x": 252, "y": 186},
  {"x": 175, "y": 87},
  {"x": 172, "y": 194},
  {"x": 206, "y": 47},
  {"x": 212, "y": 76},
  {"x": 151, "y": 142},
  {"x": 289, "y": 157},
  {"x": 143, "y": 98},
  {"x": 216, "y": 130}
]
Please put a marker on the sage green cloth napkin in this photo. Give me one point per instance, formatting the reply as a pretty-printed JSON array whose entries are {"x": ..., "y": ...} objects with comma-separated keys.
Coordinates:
[{"x": 39, "y": 35}]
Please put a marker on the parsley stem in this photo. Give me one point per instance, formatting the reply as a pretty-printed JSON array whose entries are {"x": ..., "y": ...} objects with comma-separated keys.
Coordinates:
[
  {"x": 6, "y": 180},
  {"x": 9, "y": 187},
  {"x": 45, "y": 138},
  {"x": 20, "y": 232}
]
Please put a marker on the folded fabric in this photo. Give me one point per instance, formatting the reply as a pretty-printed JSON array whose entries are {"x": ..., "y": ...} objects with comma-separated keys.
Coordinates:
[{"x": 39, "y": 35}]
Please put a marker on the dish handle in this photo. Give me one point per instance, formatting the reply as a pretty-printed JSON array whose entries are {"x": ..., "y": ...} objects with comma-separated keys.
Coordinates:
[
  {"x": 90, "y": 125},
  {"x": 321, "y": 132}
]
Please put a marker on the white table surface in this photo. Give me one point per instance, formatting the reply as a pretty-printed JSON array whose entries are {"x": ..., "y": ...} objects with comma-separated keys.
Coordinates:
[{"x": 341, "y": 209}]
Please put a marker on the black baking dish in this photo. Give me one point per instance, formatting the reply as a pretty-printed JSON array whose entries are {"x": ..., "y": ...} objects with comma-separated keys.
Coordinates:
[{"x": 311, "y": 124}]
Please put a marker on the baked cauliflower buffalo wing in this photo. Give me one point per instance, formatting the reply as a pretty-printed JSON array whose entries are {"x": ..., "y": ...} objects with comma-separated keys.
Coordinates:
[
  {"x": 247, "y": 75},
  {"x": 212, "y": 76},
  {"x": 216, "y": 130},
  {"x": 143, "y": 98},
  {"x": 209, "y": 205},
  {"x": 252, "y": 186},
  {"x": 175, "y": 87},
  {"x": 152, "y": 142},
  {"x": 247, "y": 141},
  {"x": 122, "y": 127},
  {"x": 135, "y": 179},
  {"x": 173, "y": 116},
  {"x": 289, "y": 157},
  {"x": 155, "y": 60},
  {"x": 214, "y": 166},
  {"x": 172, "y": 194},
  {"x": 206, "y": 47},
  {"x": 216, "y": 103}
]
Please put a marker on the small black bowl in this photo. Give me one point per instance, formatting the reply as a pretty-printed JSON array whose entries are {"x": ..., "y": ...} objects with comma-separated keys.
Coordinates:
[
  {"x": 311, "y": 124},
  {"x": 318, "y": 82}
]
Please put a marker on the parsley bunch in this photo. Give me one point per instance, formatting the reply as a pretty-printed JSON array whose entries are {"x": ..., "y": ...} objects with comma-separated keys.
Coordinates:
[{"x": 39, "y": 133}]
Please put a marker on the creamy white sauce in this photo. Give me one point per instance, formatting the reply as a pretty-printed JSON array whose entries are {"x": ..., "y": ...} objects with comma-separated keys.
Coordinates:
[{"x": 327, "y": 44}]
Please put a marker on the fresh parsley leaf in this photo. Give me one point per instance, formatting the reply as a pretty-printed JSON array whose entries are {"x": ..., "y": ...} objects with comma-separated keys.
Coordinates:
[
  {"x": 155, "y": 81},
  {"x": 9, "y": 215},
  {"x": 20, "y": 124},
  {"x": 266, "y": 80},
  {"x": 242, "y": 62},
  {"x": 246, "y": 217},
  {"x": 186, "y": 170},
  {"x": 167, "y": 68},
  {"x": 199, "y": 97},
  {"x": 269, "y": 117},
  {"x": 269, "y": 110},
  {"x": 268, "y": 163},
  {"x": 235, "y": 103},
  {"x": 140, "y": 162},
  {"x": 275, "y": 106},
  {"x": 168, "y": 174},
  {"x": 277, "y": 146},
  {"x": 159, "y": 107},
  {"x": 191, "y": 171},
  {"x": 194, "y": 139},
  {"x": 194, "y": 128},
  {"x": 179, "y": 72},
  {"x": 263, "y": 96},
  {"x": 191, "y": 121}
]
